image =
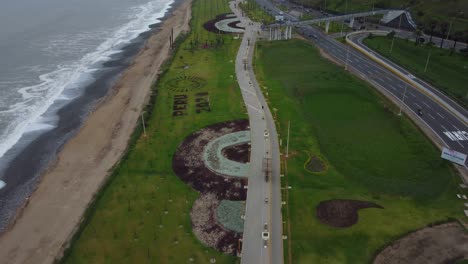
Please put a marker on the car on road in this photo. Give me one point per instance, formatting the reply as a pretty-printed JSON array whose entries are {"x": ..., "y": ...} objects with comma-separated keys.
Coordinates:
[
  {"x": 265, "y": 235},
  {"x": 266, "y": 199},
  {"x": 265, "y": 243},
  {"x": 420, "y": 112},
  {"x": 265, "y": 133},
  {"x": 265, "y": 226}
]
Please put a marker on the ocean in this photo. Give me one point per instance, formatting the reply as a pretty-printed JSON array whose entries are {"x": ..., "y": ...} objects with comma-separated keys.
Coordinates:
[{"x": 57, "y": 59}]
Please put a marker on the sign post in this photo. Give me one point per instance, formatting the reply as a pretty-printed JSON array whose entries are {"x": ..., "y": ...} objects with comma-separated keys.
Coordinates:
[{"x": 454, "y": 156}]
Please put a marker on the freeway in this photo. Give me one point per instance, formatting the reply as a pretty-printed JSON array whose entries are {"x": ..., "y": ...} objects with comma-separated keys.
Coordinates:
[
  {"x": 263, "y": 208},
  {"x": 449, "y": 130}
]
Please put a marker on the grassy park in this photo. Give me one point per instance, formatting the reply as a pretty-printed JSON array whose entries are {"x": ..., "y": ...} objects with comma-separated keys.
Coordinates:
[
  {"x": 371, "y": 154},
  {"x": 142, "y": 215},
  {"x": 447, "y": 72}
]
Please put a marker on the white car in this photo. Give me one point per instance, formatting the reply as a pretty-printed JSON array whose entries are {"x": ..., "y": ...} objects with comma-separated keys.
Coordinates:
[
  {"x": 265, "y": 133},
  {"x": 265, "y": 235}
]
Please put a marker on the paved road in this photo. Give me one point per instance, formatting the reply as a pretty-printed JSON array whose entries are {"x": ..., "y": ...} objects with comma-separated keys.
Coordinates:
[
  {"x": 437, "y": 118},
  {"x": 259, "y": 212},
  {"x": 451, "y": 131}
]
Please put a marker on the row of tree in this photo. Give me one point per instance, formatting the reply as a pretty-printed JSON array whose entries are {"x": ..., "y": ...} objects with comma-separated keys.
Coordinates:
[{"x": 442, "y": 30}]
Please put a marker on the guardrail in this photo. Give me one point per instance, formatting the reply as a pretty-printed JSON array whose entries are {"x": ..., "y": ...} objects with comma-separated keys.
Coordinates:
[{"x": 403, "y": 76}]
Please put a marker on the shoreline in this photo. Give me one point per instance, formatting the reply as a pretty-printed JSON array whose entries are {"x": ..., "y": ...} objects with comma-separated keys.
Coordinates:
[{"x": 49, "y": 219}]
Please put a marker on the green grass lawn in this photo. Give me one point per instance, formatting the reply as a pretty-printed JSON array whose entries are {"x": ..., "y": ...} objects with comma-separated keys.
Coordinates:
[
  {"x": 372, "y": 155},
  {"x": 256, "y": 12},
  {"x": 448, "y": 73},
  {"x": 128, "y": 223}
]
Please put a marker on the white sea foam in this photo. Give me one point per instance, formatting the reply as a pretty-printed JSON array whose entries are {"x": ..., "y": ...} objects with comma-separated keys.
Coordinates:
[{"x": 37, "y": 99}]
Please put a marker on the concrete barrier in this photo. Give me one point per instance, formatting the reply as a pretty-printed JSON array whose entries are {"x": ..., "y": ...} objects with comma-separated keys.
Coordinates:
[{"x": 403, "y": 76}]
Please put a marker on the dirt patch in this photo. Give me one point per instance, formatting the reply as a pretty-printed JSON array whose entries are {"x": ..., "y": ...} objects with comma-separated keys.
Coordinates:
[
  {"x": 342, "y": 213},
  {"x": 207, "y": 229},
  {"x": 239, "y": 153},
  {"x": 189, "y": 166},
  {"x": 210, "y": 25},
  {"x": 442, "y": 244},
  {"x": 316, "y": 164}
]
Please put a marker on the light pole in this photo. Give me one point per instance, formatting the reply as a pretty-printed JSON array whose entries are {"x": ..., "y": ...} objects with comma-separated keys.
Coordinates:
[
  {"x": 393, "y": 39},
  {"x": 143, "y": 122},
  {"x": 287, "y": 141},
  {"x": 347, "y": 55},
  {"x": 342, "y": 24},
  {"x": 427, "y": 61},
  {"x": 403, "y": 99}
]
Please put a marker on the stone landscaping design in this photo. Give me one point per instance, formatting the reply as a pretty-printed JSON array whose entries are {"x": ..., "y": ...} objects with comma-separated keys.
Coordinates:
[
  {"x": 217, "y": 162},
  {"x": 225, "y": 24},
  {"x": 185, "y": 83},
  {"x": 229, "y": 215},
  {"x": 220, "y": 191},
  {"x": 445, "y": 243},
  {"x": 316, "y": 165},
  {"x": 341, "y": 213}
]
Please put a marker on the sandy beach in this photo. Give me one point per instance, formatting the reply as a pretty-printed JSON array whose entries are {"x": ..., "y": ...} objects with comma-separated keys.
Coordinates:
[{"x": 53, "y": 212}]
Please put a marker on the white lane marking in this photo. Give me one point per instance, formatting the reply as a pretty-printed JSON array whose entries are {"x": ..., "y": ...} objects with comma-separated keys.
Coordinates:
[
  {"x": 247, "y": 91},
  {"x": 440, "y": 115},
  {"x": 412, "y": 94},
  {"x": 430, "y": 116},
  {"x": 255, "y": 108},
  {"x": 426, "y": 104},
  {"x": 417, "y": 105},
  {"x": 451, "y": 136},
  {"x": 2, "y": 184}
]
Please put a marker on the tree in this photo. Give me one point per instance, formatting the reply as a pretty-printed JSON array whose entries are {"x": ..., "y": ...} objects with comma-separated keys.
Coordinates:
[
  {"x": 443, "y": 29},
  {"x": 432, "y": 26},
  {"x": 391, "y": 34},
  {"x": 457, "y": 36}
]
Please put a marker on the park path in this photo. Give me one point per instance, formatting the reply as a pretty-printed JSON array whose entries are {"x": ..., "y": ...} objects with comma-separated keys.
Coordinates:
[{"x": 264, "y": 146}]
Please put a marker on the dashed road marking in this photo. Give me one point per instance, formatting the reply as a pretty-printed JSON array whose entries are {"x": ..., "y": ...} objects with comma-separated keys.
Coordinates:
[
  {"x": 426, "y": 104},
  {"x": 431, "y": 116},
  {"x": 417, "y": 105},
  {"x": 440, "y": 115},
  {"x": 412, "y": 94}
]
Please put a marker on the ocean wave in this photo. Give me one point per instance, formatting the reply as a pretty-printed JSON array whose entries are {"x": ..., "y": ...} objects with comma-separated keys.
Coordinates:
[{"x": 27, "y": 114}]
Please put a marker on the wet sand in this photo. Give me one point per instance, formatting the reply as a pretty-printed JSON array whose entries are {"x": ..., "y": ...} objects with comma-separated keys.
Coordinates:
[{"x": 53, "y": 212}]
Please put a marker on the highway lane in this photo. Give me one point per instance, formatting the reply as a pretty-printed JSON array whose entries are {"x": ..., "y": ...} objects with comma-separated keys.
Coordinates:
[
  {"x": 258, "y": 211},
  {"x": 438, "y": 119},
  {"x": 452, "y": 132},
  {"x": 358, "y": 39}
]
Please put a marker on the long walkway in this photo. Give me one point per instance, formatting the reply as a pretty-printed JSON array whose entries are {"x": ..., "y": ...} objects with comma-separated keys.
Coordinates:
[{"x": 263, "y": 208}]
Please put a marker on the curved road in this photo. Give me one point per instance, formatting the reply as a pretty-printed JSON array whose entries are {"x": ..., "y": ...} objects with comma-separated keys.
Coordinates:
[{"x": 264, "y": 149}]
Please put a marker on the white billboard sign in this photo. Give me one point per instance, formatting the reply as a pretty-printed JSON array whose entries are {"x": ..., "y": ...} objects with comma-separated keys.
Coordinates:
[{"x": 453, "y": 156}]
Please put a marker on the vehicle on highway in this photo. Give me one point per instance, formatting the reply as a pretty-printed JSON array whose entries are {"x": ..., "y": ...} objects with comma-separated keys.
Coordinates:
[
  {"x": 265, "y": 235},
  {"x": 420, "y": 112},
  {"x": 265, "y": 226},
  {"x": 313, "y": 36},
  {"x": 265, "y": 133},
  {"x": 265, "y": 243},
  {"x": 266, "y": 199}
]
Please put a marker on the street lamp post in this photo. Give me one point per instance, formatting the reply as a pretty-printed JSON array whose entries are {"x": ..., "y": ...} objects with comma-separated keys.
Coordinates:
[
  {"x": 342, "y": 24},
  {"x": 143, "y": 122},
  {"x": 393, "y": 39},
  {"x": 428, "y": 57},
  {"x": 403, "y": 99}
]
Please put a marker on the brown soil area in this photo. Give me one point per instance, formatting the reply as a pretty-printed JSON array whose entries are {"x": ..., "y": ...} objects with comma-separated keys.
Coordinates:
[
  {"x": 210, "y": 25},
  {"x": 239, "y": 153},
  {"x": 56, "y": 208},
  {"x": 342, "y": 213},
  {"x": 442, "y": 244},
  {"x": 208, "y": 230},
  {"x": 316, "y": 164},
  {"x": 189, "y": 166}
]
